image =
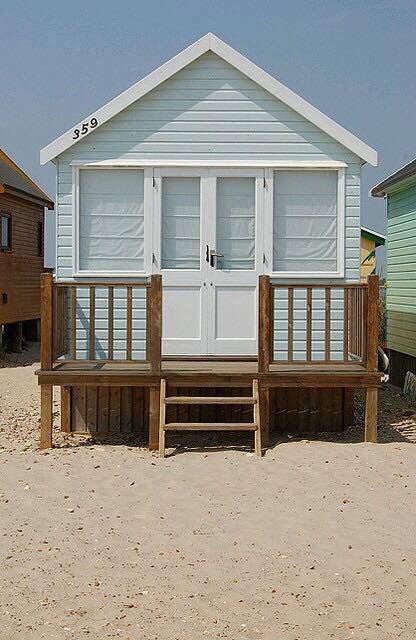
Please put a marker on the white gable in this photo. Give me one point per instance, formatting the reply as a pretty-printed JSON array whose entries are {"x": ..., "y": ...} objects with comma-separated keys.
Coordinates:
[{"x": 246, "y": 69}]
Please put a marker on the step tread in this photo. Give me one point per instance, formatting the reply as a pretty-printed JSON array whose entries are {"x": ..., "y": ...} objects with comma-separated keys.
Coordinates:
[
  {"x": 209, "y": 400},
  {"x": 210, "y": 426}
]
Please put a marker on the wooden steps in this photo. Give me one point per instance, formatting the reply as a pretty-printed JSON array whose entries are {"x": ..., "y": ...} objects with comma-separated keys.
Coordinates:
[{"x": 209, "y": 426}]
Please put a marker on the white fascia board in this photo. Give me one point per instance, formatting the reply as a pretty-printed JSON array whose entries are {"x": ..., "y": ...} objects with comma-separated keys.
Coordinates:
[
  {"x": 282, "y": 164},
  {"x": 210, "y": 42}
]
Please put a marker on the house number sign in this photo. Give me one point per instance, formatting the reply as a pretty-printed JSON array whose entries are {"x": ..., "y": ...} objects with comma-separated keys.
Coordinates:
[{"x": 86, "y": 126}]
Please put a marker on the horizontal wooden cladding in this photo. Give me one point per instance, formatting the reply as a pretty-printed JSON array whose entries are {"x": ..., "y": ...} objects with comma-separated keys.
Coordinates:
[
  {"x": 401, "y": 331},
  {"x": 20, "y": 281},
  {"x": 117, "y": 410},
  {"x": 25, "y": 218}
]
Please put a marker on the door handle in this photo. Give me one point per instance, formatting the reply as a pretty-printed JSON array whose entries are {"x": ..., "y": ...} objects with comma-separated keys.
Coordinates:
[
  {"x": 207, "y": 254},
  {"x": 214, "y": 254}
]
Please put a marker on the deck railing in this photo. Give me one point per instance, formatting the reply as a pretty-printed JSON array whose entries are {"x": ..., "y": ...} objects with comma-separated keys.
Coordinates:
[
  {"x": 73, "y": 314},
  {"x": 297, "y": 324},
  {"x": 318, "y": 323}
]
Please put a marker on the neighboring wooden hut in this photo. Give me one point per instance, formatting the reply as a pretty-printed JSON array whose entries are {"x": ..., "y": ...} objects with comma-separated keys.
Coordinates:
[
  {"x": 399, "y": 191},
  {"x": 370, "y": 241},
  {"x": 212, "y": 187},
  {"x": 22, "y": 205}
]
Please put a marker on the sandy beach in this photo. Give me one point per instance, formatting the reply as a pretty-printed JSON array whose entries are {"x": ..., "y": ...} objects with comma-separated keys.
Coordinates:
[{"x": 315, "y": 540}]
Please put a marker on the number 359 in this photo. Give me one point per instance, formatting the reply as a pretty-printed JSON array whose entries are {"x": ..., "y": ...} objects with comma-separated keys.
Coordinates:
[{"x": 86, "y": 126}]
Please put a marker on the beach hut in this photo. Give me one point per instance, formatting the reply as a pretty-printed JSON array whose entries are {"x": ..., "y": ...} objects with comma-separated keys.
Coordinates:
[
  {"x": 208, "y": 260},
  {"x": 22, "y": 206},
  {"x": 399, "y": 192}
]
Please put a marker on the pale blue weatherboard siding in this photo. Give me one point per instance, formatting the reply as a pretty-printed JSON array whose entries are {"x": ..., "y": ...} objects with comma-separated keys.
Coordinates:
[{"x": 209, "y": 110}]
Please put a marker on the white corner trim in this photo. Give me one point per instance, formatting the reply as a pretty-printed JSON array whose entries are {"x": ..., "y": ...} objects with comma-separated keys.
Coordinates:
[
  {"x": 210, "y": 42},
  {"x": 278, "y": 164}
]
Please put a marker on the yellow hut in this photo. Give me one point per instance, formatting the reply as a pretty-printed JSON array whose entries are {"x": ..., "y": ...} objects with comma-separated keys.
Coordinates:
[{"x": 370, "y": 240}]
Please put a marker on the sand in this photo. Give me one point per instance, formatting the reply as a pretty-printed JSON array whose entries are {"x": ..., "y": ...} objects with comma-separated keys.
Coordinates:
[{"x": 316, "y": 540}]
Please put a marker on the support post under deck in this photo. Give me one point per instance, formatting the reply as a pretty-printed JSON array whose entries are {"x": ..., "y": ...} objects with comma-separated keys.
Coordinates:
[
  {"x": 46, "y": 397},
  {"x": 154, "y": 408}
]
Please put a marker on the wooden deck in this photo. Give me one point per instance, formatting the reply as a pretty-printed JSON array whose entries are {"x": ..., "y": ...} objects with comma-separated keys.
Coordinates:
[
  {"x": 206, "y": 373},
  {"x": 355, "y": 366}
]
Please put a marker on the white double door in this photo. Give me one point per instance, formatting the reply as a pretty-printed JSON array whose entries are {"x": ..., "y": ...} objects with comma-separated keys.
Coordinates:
[{"x": 209, "y": 227}]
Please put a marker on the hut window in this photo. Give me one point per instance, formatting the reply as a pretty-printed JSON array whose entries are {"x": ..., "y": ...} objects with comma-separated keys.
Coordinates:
[
  {"x": 305, "y": 221},
  {"x": 180, "y": 223},
  {"x": 111, "y": 220},
  {"x": 5, "y": 231},
  {"x": 236, "y": 224}
]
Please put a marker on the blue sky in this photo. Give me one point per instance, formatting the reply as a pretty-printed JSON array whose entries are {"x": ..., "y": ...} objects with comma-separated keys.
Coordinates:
[{"x": 353, "y": 60}]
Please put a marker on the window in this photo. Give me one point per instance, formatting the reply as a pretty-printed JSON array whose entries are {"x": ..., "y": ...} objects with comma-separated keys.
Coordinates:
[
  {"x": 111, "y": 220},
  {"x": 5, "y": 231},
  {"x": 305, "y": 221},
  {"x": 180, "y": 223},
  {"x": 40, "y": 238},
  {"x": 236, "y": 224}
]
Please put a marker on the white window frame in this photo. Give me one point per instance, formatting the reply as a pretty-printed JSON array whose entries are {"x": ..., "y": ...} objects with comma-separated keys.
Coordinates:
[
  {"x": 269, "y": 221},
  {"x": 147, "y": 205}
]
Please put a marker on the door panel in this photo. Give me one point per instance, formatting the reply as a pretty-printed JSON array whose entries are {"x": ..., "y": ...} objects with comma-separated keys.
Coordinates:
[
  {"x": 238, "y": 234},
  {"x": 182, "y": 320}
]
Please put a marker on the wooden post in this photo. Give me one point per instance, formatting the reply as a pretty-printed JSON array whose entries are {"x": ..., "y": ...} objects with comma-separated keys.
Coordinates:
[
  {"x": 66, "y": 409},
  {"x": 370, "y": 433},
  {"x": 372, "y": 323},
  {"x": 264, "y": 402},
  {"x": 154, "y": 407},
  {"x": 154, "y": 323},
  {"x": 264, "y": 325},
  {"x": 46, "y": 310},
  {"x": 46, "y": 397}
]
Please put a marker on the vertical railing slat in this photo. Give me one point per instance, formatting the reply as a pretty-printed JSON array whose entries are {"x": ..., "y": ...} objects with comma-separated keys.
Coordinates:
[
  {"x": 327, "y": 324},
  {"x": 73, "y": 322},
  {"x": 290, "y": 324},
  {"x": 129, "y": 323},
  {"x": 110, "y": 322},
  {"x": 92, "y": 324},
  {"x": 309, "y": 324},
  {"x": 346, "y": 326}
]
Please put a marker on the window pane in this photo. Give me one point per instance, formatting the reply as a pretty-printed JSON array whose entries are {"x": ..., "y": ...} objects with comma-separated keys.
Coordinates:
[
  {"x": 180, "y": 223},
  {"x": 236, "y": 224},
  {"x": 4, "y": 231},
  {"x": 305, "y": 221},
  {"x": 111, "y": 220}
]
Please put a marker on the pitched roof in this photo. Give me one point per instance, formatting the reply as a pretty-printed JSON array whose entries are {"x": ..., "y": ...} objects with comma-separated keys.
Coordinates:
[
  {"x": 408, "y": 171},
  {"x": 376, "y": 237},
  {"x": 14, "y": 179},
  {"x": 210, "y": 42}
]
